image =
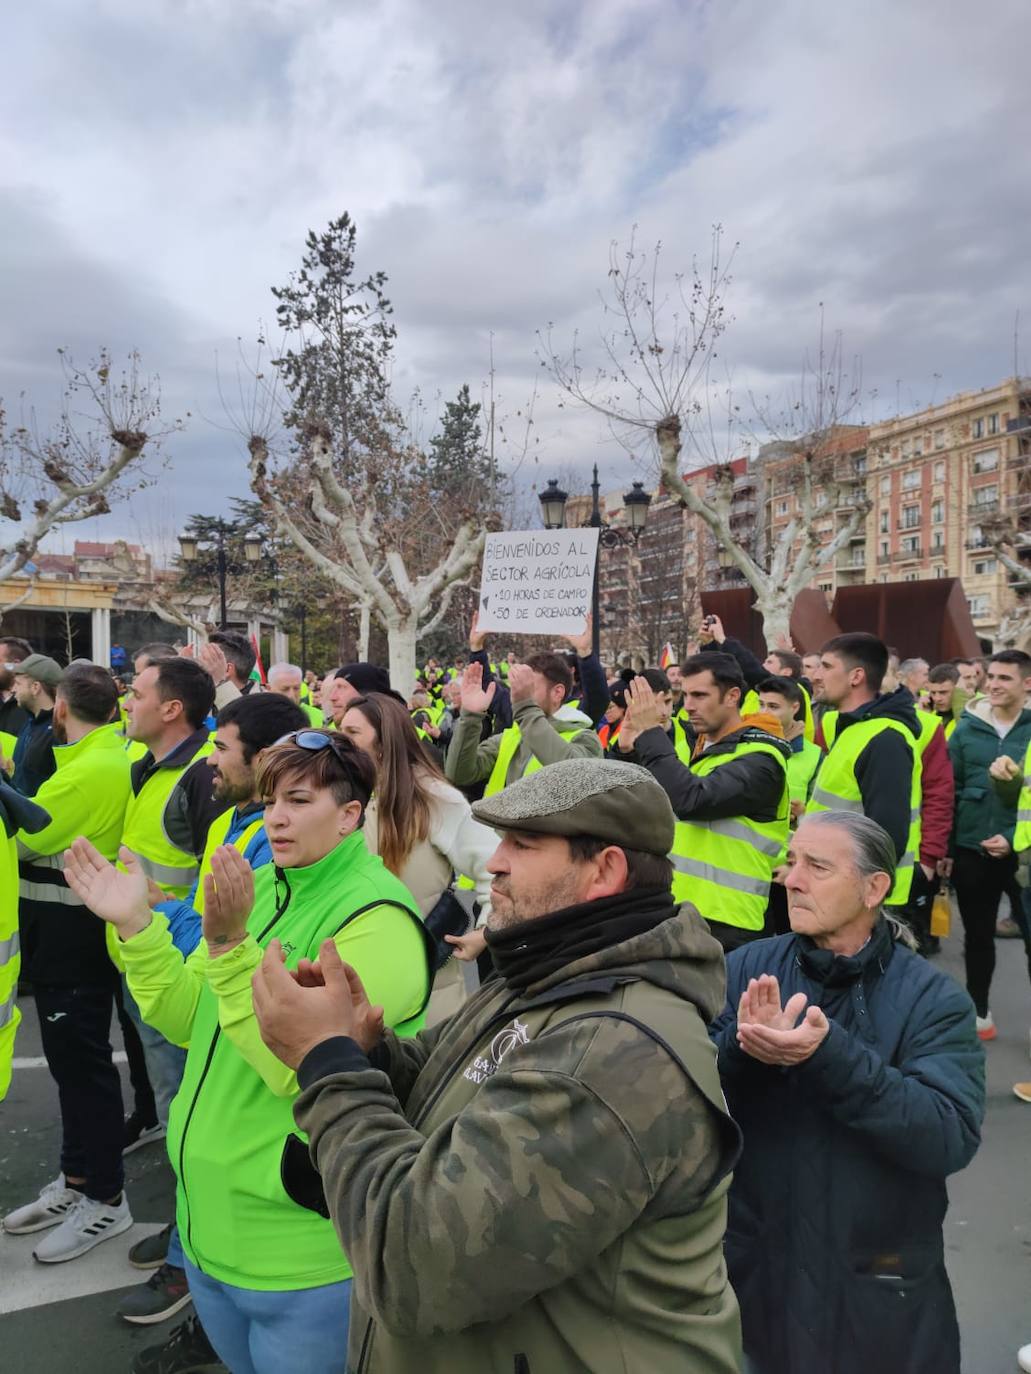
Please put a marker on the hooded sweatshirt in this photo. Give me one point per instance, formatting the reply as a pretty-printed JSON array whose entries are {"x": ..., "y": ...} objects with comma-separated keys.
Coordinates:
[{"x": 539, "y": 1183}]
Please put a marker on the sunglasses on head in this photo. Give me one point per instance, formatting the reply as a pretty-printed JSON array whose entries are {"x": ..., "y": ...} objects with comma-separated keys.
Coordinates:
[{"x": 315, "y": 740}]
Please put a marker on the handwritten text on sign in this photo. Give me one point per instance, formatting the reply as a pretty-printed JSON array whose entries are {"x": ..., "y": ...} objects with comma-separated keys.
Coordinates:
[{"x": 538, "y": 581}]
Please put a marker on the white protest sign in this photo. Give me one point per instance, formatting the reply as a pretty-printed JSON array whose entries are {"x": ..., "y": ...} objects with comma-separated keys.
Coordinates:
[{"x": 538, "y": 581}]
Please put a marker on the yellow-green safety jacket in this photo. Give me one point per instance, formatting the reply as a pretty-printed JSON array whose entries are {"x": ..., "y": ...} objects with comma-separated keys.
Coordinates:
[
  {"x": 725, "y": 866},
  {"x": 16, "y": 813},
  {"x": 837, "y": 788},
  {"x": 510, "y": 741}
]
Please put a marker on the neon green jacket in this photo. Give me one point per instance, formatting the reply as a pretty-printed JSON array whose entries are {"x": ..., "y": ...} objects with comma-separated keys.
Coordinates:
[{"x": 231, "y": 1117}]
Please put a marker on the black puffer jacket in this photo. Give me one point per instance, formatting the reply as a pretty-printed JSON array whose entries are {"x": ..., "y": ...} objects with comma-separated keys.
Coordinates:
[{"x": 835, "y": 1238}]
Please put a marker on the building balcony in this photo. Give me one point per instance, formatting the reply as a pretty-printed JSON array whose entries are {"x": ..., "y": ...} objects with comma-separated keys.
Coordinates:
[
  {"x": 1021, "y": 422},
  {"x": 883, "y": 559},
  {"x": 908, "y": 528},
  {"x": 977, "y": 508},
  {"x": 908, "y": 555}
]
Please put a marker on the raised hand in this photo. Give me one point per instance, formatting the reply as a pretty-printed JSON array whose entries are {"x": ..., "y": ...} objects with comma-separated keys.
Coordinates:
[
  {"x": 228, "y": 900},
  {"x": 211, "y": 658},
  {"x": 476, "y": 640},
  {"x": 642, "y": 708},
  {"x": 760, "y": 1005},
  {"x": 520, "y": 683},
  {"x": 121, "y": 899},
  {"x": 474, "y": 698},
  {"x": 583, "y": 643}
]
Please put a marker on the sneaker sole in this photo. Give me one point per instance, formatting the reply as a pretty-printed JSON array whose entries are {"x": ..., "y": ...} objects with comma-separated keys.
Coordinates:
[
  {"x": 90, "y": 1243},
  {"x": 139, "y": 1144},
  {"x": 1021, "y": 1097},
  {"x": 147, "y": 1264},
  {"x": 36, "y": 1226},
  {"x": 152, "y": 1318},
  {"x": 986, "y": 1036}
]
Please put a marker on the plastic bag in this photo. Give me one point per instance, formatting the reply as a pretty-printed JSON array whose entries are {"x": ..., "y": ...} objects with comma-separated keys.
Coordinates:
[{"x": 941, "y": 914}]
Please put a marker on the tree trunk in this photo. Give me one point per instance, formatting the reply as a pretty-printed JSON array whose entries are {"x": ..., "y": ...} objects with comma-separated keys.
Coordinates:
[
  {"x": 401, "y": 640},
  {"x": 364, "y": 626},
  {"x": 775, "y": 607}
]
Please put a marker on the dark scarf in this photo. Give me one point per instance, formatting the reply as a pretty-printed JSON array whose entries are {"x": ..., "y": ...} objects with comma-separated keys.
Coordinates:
[{"x": 532, "y": 950}]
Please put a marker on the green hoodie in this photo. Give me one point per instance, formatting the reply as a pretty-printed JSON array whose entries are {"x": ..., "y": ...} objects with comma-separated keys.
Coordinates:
[
  {"x": 981, "y": 809},
  {"x": 230, "y": 1119},
  {"x": 553, "y": 1197}
]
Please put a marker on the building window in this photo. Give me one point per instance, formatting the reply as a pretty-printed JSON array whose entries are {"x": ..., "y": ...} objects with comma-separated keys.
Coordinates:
[
  {"x": 987, "y": 460},
  {"x": 939, "y": 442},
  {"x": 885, "y": 486},
  {"x": 986, "y": 496},
  {"x": 860, "y": 464},
  {"x": 782, "y": 507},
  {"x": 993, "y": 423},
  {"x": 938, "y": 543},
  {"x": 826, "y": 586},
  {"x": 884, "y": 548},
  {"x": 884, "y": 521},
  {"x": 939, "y": 472},
  {"x": 911, "y": 577},
  {"x": 978, "y": 607},
  {"x": 937, "y": 511},
  {"x": 911, "y": 479},
  {"x": 918, "y": 446},
  {"x": 977, "y": 429},
  {"x": 910, "y": 517},
  {"x": 939, "y": 570},
  {"x": 984, "y": 566},
  {"x": 911, "y": 543}
]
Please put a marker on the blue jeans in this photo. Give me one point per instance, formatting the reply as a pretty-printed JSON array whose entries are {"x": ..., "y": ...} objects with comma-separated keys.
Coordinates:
[
  {"x": 303, "y": 1331},
  {"x": 175, "y": 1256},
  {"x": 165, "y": 1062}
]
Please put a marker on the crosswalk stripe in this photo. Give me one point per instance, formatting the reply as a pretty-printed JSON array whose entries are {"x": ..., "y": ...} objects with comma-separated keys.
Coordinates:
[
  {"x": 39, "y": 1061},
  {"x": 106, "y": 1267}
]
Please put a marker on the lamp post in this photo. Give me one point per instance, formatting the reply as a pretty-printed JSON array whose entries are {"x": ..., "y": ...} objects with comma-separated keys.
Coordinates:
[
  {"x": 189, "y": 544},
  {"x": 636, "y": 502}
]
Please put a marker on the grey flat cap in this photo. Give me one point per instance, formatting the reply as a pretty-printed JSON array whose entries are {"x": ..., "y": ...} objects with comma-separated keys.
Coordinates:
[
  {"x": 40, "y": 669},
  {"x": 619, "y": 803}
]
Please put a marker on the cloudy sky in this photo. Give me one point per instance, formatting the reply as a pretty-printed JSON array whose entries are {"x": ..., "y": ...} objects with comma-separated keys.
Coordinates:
[{"x": 160, "y": 164}]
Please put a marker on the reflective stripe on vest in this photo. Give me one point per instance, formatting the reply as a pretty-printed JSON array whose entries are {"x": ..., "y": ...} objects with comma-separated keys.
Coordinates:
[
  {"x": 724, "y": 866},
  {"x": 217, "y": 832},
  {"x": 837, "y": 788},
  {"x": 507, "y": 749},
  {"x": 9, "y": 948},
  {"x": 173, "y": 869}
]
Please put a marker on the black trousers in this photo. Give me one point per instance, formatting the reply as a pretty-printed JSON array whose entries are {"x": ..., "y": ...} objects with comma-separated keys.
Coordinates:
[
  {"x": 980, "y": 882},
  {"x": 75, "y": 1024},
  {"x": 917, "y": 911}
]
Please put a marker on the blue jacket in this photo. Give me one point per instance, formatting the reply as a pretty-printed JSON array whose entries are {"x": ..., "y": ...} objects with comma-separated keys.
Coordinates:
[
  {"x": 184, "y": 920},
  {"x": 34, "y": 754},
  {"x": 834, "y": 1243}
]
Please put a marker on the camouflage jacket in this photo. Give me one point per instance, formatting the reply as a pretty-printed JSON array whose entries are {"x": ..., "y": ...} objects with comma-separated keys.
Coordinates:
[{"x": 539, "y": 1183}]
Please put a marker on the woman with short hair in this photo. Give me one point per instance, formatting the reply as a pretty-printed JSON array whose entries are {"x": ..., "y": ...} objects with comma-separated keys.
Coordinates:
[{"x": 268, "y": 1278}]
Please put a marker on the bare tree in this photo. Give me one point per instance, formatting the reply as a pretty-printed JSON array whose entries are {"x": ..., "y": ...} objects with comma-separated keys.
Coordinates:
[
  {"x": 352, "y": 491},
  {"x": 87, "y": 460},
  {"x": 659, "y": 347}
]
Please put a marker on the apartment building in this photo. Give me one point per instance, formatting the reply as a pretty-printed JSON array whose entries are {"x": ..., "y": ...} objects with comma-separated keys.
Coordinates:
[{"x": 938, "y": 479}]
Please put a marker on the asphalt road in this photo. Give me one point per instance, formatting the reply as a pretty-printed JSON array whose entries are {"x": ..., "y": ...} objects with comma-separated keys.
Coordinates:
[{"x": 59, "y": 1319}]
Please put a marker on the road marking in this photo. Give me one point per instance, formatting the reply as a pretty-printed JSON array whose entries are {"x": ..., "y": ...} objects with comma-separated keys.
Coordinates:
[
  {"x": 39, "y": 1061},
  {"x": 27, "y": 1283}
]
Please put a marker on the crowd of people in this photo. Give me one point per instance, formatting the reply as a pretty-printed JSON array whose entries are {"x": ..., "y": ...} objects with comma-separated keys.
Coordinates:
[{"x": 548, "y": 1018}]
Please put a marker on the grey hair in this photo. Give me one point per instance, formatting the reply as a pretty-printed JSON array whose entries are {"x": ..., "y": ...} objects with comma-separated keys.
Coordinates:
[
  {"x": 873, "y": 851},
  {"x": 290, "y": 668},
  {"x": 910, "y": 665}
]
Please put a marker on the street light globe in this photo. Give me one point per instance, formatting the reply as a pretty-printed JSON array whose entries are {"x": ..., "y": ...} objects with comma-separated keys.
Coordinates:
[
  {"x": 252, "y": 548},
  {"x": 188, "y": 546},
  {"x": 636, "y": 502},
  {"x": 553, "y": 505}
]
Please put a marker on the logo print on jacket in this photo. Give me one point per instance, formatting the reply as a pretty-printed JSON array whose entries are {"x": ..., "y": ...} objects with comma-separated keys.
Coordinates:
[{"x": 483, "y": 1067}]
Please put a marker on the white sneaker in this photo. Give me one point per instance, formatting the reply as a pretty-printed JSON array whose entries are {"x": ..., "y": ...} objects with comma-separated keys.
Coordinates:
[
  {"x": 1024, "y": 1358},
  {"x": 49, "y": 1209},
  {"x": 86, "y": 1225},
  {"x": 985, "y": 1027}
]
